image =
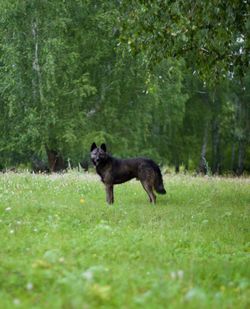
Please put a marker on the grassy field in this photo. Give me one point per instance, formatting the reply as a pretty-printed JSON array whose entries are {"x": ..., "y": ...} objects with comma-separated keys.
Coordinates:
[{"x": 63, "y": 247}]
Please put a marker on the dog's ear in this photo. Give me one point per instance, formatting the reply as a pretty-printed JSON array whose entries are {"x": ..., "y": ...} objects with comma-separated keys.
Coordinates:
[
  {"x": 103, "y": 147},
  {"x": 93, "y": 146}
]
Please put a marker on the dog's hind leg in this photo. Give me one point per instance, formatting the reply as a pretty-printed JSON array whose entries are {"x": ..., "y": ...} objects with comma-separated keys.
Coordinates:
[
  {"x": 149, "y": 189},
  {"x": 109, "y": 194}
]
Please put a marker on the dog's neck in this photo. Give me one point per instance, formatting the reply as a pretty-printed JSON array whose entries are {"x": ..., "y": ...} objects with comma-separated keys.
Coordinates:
[{"x": 104, "y": 164}]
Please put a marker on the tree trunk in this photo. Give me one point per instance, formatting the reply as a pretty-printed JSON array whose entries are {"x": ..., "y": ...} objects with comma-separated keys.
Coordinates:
[
  {"x": 186, "y": 164},
  {"x": 36, "y": 65},
  {"x": 240, "y": 167},
  {"x": 177, "y": 164},
  {"x": 203, "y": 168},
  {"x": 240, "y": 138},
  {"x": 233, "y": 167},
  {"x": 216, "y": 148},
  {"x": 216, "y": 153},
  {"x": 55, "y": 160}
]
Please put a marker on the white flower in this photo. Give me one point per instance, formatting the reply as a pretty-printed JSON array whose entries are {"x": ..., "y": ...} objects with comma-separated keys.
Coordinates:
[
  {"x": 205, "y": 221},
  {"x": 61, "y": 259},
  {"x": 16, "y": 301},
  {"x": 88, "y": 275},
  {"x": 29, "y": 286},
  {"x": 11, "y": 231},
  {"x": 173, "y": 275},
  {"x": 195, "y": 293},
  {"x": 180, "y": 274},
  {"x": 8, "y": 209}
]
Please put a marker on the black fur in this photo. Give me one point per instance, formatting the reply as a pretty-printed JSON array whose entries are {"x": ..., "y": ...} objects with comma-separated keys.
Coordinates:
[{"x": 115, "y": 171}]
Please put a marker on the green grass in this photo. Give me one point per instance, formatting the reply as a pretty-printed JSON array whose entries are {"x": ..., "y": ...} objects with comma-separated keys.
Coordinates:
[{"x": 61, "y": 246}]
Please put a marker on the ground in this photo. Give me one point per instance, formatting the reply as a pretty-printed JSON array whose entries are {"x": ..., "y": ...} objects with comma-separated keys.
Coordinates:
[{"x": 62, "y": 246}]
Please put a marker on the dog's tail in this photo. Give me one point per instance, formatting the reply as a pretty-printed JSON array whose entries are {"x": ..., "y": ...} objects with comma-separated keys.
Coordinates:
[{"x": 158, "y": 183}]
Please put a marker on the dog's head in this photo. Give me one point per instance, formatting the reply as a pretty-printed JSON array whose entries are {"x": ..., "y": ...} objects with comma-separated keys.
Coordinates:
[{"x": 99, "y": 155}]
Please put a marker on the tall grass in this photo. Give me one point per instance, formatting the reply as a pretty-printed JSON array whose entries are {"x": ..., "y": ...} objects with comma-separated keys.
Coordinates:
[{"x": 62, "y": 246}]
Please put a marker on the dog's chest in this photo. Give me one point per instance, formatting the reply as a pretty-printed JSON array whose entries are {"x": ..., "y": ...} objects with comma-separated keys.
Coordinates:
[{"x": 105, "y": 174}]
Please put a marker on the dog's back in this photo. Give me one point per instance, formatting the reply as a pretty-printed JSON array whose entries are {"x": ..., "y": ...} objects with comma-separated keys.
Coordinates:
[{"x": 126, "y": 169}]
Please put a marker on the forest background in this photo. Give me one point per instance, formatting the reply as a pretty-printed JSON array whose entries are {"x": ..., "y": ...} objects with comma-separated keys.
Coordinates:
[{"x": 164, "y": 79}]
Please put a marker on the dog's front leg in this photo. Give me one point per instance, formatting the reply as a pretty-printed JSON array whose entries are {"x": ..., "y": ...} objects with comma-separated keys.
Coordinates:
[{"x": 110, "y": 194}]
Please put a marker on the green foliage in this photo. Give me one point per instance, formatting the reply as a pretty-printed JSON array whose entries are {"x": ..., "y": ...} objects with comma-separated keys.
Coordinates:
[
  {"x": 62, "y": 246},
  {"x": 212, "y": 36},
  {"x": 47, "y": 98},
  {"x": 69, "y": 76}
]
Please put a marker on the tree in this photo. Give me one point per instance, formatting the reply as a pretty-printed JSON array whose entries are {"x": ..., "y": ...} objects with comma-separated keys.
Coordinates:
[
  {"x": 44, "y": 85},
  {"x": 212, "y": 36},
  {"x": 69, "y": 77},
  {"x": 239, "y": 126}
]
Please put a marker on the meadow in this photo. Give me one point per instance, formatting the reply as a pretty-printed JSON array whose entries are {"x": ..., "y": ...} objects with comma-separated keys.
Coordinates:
[{"x": 62, "y": 246}]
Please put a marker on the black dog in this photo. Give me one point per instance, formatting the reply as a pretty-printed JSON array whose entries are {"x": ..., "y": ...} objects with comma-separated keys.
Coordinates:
[{"x": 115, "y": 171}]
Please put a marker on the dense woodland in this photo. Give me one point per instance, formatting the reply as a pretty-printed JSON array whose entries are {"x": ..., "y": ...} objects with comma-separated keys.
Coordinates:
[{"x": 164, "y": 79}]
